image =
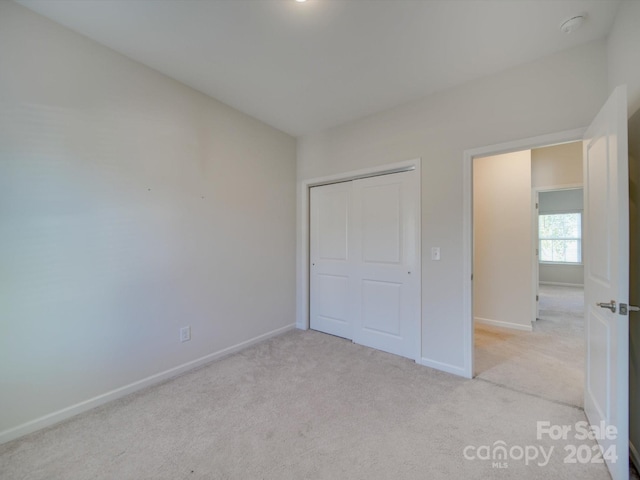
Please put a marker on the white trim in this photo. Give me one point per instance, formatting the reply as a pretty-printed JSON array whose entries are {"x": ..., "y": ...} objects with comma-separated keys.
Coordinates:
[
  {"x": 406, "y": 166},
  {"x": 501, "y": 324},
  {"x": 467, "y": 266},
  {"x": 564, "y": 264},
  {"x": 360, "y": 174},
  {"x": 634, "y": 456},
  {"x": 68, "y": 412},
  {"x": 445, "y": 367},
  {"x": 535, "y": 264},
  {"x": 467, "y": 220},
  {"x": 560, "y": 284},
  {"x": 302, "y": 274},
  {"x": 553, "y": 188},
  {"x": 560, "y": 212}
]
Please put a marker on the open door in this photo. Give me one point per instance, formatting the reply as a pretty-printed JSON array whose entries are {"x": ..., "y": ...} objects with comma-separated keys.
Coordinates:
[{"x": 606, "y": 255}]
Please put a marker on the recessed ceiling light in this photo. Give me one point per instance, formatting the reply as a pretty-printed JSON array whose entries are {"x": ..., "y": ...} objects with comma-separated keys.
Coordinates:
[
  {"x": 301, "y": 1},
  {"x": 572, "y": 24}
]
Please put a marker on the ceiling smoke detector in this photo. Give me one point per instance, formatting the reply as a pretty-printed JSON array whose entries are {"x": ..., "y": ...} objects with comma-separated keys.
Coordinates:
[{"x": 572, "y": 24}]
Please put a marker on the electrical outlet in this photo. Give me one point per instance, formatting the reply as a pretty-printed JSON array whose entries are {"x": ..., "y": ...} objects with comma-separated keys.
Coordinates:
[{"x": 185, "y": 334}]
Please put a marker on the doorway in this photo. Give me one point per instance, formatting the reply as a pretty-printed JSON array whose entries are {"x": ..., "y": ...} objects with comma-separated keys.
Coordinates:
[
  {"x": 606, "y": 184},
  {"x": 517, "y": 345}
]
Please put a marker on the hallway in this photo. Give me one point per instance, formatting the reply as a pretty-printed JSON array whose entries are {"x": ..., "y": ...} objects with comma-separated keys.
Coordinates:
[{"x": 548, "y": 362}]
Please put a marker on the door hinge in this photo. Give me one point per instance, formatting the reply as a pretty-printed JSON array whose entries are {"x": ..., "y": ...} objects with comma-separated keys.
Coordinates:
[
  {"x": 625, "y": 309},
  {"x": 537, "y": 252},
  {"x": 537, "y": 298},
  {"x": 536, "y": 206}
]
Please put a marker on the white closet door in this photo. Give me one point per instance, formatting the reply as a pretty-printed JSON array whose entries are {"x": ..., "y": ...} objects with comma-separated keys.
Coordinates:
[
  {"x": 386, "y": 301},
  {"x": 365, "y": 263},
  {"x": 331, "y": 291}
]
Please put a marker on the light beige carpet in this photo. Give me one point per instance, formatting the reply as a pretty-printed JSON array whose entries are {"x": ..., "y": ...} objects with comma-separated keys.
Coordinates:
[
  {"x": 302, "y": 406},
  {"x": 548, "y": 362}
]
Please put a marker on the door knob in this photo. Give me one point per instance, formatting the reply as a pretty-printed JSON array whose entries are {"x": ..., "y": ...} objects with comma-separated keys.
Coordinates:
[{"x": 611, "y": 305}]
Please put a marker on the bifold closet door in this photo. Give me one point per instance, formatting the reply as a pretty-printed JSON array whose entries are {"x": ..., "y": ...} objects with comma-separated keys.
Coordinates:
[
  {"x": 331, "y": 298},
  {"x": 365, "y": 272}
]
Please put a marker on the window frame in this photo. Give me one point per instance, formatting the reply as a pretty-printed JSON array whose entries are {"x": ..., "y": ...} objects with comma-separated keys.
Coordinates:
[{"x": 580, "y": 240}]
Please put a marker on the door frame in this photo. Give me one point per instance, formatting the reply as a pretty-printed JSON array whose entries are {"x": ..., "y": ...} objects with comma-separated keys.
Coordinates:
[
  {"x": 467, "y": 220},
  {"x": 304, "y": 193}
]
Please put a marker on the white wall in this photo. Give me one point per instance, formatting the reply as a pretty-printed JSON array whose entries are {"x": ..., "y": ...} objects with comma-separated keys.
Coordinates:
[
  {"x": 557, "y": 93},
  {"x": 569, "y": 275},
  {"x": 130, "y": 206},
  {"x": 553, "y": 167},
  {"x": 502, "y": 269},
  {"x": 622, "y": 52},
  {"x": 557, "y": 165}
]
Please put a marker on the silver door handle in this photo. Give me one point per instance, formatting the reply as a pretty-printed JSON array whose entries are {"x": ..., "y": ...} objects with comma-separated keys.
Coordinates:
[{"x": 611, "y": 305}]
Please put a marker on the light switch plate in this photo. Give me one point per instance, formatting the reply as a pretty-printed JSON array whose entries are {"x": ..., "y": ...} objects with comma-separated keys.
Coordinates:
[
  {"x": 185, "y": 334},
  {"x": 435, "y": 253}
]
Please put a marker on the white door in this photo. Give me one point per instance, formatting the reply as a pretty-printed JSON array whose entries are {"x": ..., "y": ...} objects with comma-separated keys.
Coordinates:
[
  {"x": 606, "y": 212},
  {"x": 365, "y": 262},
  {"x": 330, "y": 273},
  {"x": 387, "y": 272}
]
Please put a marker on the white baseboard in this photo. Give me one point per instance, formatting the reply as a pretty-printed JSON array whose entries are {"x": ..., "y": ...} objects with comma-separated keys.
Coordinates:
[
  {"x": 560, "y": 284},
  {"x": 634, "y": 456},
  {"x": 500, "y": 323},
  {"x": 301, "y": 326},
  {"x": 68, "y": 412},
  {"x": 445, "y": 367}
]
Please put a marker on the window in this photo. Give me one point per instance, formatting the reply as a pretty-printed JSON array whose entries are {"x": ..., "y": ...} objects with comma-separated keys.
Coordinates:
[{"x": 560, "y": 237}]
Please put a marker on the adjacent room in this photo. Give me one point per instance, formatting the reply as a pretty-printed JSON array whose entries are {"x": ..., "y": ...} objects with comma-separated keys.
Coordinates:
[
  {"x": 237, "y": 239},
  {"x": 528, "y": 271}
]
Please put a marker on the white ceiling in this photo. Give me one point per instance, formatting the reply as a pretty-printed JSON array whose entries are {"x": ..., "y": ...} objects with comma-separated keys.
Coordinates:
[{"x": 303, "y": 67}]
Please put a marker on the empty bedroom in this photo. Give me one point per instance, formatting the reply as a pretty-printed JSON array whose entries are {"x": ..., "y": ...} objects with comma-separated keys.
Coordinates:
[{"x": 237, "y": 239}]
